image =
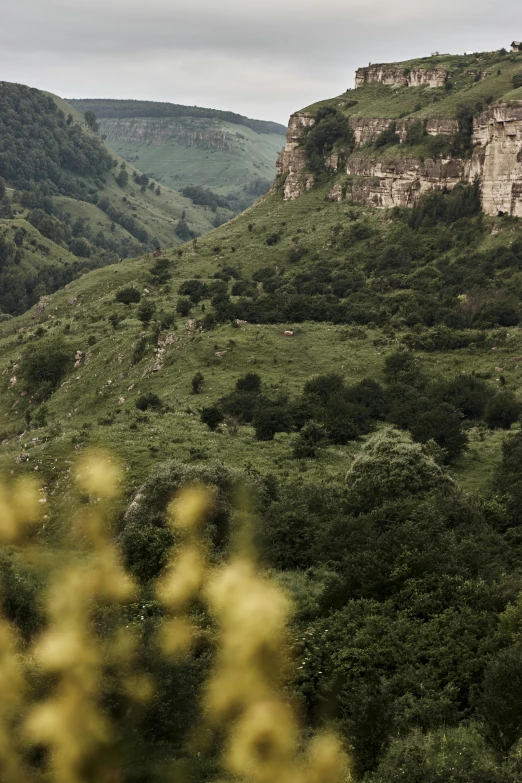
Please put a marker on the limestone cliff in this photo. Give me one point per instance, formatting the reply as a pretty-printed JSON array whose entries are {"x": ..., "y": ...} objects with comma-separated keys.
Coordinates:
[
  {"x": 397, "y": 76},
  {"x": 157, "y": 132},
  {"x": 497, "y": 159},
  {"x": 369, "y": 179}
]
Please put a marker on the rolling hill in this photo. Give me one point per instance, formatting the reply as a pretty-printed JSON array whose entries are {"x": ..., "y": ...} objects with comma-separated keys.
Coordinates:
[
  {"x": 72, "y": 204},
  {"x": 184, "y": 146}
]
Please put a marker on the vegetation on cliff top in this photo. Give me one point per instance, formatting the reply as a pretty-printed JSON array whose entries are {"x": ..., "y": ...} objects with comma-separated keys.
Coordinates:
[{"x": 474, "y": 80}]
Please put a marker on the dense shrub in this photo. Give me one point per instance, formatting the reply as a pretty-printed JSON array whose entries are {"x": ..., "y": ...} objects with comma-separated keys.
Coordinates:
[
  {"x": 148, "y": 400},
  {"x": 212, "y": 416},
  {"x": 129, "y": 295},
  {"x": 44, "y": 364},
  {"x": 391, "y": 467},
  {"x": 145, "y": 537},
  {"x": 251, "y": 382},
  {"x": 502, "y": 411}
]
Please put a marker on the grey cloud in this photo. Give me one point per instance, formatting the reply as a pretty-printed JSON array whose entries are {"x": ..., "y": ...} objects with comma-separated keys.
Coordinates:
[{"x": 264, "y": 59}]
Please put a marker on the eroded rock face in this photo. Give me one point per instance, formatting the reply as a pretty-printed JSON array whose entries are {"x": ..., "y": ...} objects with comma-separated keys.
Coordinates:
[
  {"x": 496, "y": 162},
  {"x": 394, "y": 76},
  {"x": 497, "y": 159},
  {"x": 292, "y": 161},
  {"x": 156, "y": 132},
  {"x": 366, "y": 130},
  {"x": 398, "y": 183}
]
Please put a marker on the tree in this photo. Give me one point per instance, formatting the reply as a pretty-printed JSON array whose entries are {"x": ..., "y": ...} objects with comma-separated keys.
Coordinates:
[
  {"x": 324, "y": 386},
  {"x": 183, "y": 306},
  {"x": 502, "y": 411},
  {"x": 81, "y": 247},
  {"x": 269, "y": 418},
  {"x": 390, "y": 467},
  {"x": 311, "y": 438},
  {"x": 146, "y": 311},
  {"x": 123, "y": 178},
  {"x": 44, "y": 364},
  {"x": 91, "y": 121},
  {"x": 212, "y": 417},
  {"x": 443, "y": 425},
  {"x": 251, "y": 382},
  {"x": 500, "y": 703},
  {"x": 197, "y": 383}
]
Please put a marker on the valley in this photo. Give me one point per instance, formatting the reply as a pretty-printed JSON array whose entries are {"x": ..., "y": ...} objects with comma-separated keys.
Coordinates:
[{"x": 333, "y": 380}]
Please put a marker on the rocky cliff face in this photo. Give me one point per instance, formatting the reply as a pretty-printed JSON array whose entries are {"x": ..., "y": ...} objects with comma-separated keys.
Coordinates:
[
  {"x": 157, "y": 132},
  {"x": 497, "y": 159},
  {"x": 292, "y": 161},
  {"x": 496, "y": 162},
  {"x": 394, "y": 76}
]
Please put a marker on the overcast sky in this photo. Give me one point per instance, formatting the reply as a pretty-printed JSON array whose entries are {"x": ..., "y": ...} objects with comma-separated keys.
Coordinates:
[{"x": 262, "y": 58}]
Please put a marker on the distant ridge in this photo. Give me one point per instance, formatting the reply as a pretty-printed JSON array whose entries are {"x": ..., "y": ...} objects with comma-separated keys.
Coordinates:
[{"x": 121, "y": 109}]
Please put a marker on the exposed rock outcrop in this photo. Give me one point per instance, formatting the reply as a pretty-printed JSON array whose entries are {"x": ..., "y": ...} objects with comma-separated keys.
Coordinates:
[
  {"x": 292, "y": 161},
  {"x": 156, "y": 132},
  {"x": 395, "y": 76},
  {"x": 398, "y": 183},
  {"x": 496, "y": 162},
  {"x": 497, "y": 158}
]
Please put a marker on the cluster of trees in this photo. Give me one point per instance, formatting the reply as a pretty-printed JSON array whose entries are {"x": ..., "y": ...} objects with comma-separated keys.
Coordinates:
[
  {"x": 424, "y": 270},
  {"x": 205, "y": 197},
  {"x": 330, "y": 129},
  {"x": 408, "y": 611},
  {"x": 39, "y": 144},
  {"x": 328, "y": 411}
]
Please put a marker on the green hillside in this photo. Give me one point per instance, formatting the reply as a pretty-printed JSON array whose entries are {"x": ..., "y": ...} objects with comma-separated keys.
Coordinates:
[
  {"x": 182, "y": 145},
  {"x": 89, "y": 207},
  {"x": 475, "y": 80},
  {"x": 360, "y": 372}
]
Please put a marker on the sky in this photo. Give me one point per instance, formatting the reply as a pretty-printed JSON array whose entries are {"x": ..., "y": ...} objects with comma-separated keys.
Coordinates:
[{"x": 264, "y": 59}]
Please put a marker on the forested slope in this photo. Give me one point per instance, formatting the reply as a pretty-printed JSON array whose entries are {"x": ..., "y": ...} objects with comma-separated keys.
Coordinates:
[{"x": 88, "y": 207}]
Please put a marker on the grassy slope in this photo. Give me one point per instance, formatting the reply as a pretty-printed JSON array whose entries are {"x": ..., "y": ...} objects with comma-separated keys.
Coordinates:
[
  {"x": 157, "y": 214},
  {"x": 177, "y": 165},
  {"x": 96, "y": 402},
  {"x": 375, "y": 100}
]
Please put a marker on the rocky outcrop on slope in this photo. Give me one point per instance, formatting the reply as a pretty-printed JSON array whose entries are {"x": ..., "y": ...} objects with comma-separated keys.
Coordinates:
[
  {"x": 496, "y": 162},
  {"x": 157, "y": 132},
  {"x": 395, "y": 76},
  {"x": 397, "y": 183},
  {"x": 497, "y": 159}
]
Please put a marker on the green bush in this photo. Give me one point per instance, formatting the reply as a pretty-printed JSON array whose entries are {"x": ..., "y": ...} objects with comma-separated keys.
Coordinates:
[
  {"x": 128, "y": 295},
  {"x": 146, "y": 311},
  {"x": 197, "y": 383},
  {"x": 448, "y": 755},
  {"x": 183, "y": 306},
  {"x": 251, "y": 382},
  {"x": 502, "y": 411},
  {"x": 212, "y": 417},
  {"x": 392, "y": 467},
  {"x": 311, "y": 438},
  {"x": 269, "y": 418},
  {"x": 148, "y": 400},
  {"x": 145, "y": 536},
  {"x": 44, "y": 364}
]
